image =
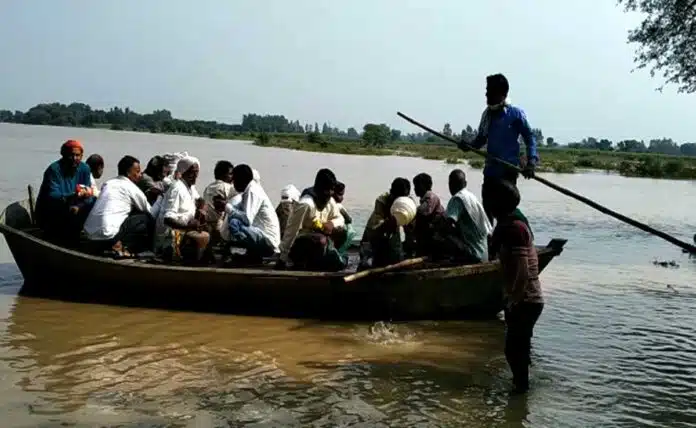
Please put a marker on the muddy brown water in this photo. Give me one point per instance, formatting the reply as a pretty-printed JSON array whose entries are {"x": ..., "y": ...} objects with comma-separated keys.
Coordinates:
[{"x": 615, "y": 346}]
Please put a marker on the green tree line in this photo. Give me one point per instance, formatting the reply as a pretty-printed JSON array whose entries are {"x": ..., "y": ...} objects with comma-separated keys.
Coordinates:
[{"x": 371, "y": 134}]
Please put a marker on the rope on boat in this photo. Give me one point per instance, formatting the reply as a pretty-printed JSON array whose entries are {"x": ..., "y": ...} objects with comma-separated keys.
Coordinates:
[{"x": 644, "y": 227}]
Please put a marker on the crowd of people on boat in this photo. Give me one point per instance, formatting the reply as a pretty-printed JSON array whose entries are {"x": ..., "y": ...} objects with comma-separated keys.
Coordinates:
[{"x": 160, "y": 210}]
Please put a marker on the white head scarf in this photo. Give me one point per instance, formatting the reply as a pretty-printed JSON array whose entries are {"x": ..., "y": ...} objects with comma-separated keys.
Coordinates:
[
  {"x": 256, "y": 175},
  {"x": 290, "y": 192},
  {"x": 185, "y": 163}
]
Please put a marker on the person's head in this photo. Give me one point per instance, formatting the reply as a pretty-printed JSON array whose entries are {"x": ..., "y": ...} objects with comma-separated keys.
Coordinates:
[
  {"x": 457, "y": 181},
  {"x": 96, "y": 165},
  {"x": 71, "y": 153},
  {"x": 243, "y": 175},
  {"x": 223, "y": 171},
  {"x": 324, "y": 185},
  {"x": 422, "y": 183},
  {"x": 157, "y": 168},
  {"x": 188, "y": 168},
  {"x": 339, "y": 192},
  {"x": 129, "y": 167},
  {"x": 507, "y": 199},
  {"x": 400, "y": 187},
  {"x": 497, "y": 88},
  {"x": 290, "y": 193}
]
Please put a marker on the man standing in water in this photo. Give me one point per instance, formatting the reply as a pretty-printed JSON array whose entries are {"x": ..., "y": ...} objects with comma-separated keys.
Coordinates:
[
  {"x": 500, "y": 128},
  {"x": 513, "y": 242}
]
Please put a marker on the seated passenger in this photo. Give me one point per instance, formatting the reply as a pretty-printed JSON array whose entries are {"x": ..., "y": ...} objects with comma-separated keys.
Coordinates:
[
  {"x": 308, "y": 241},
  {"x": 381, "y": 241},
  {"x": 429, "y": 213},
  {"x": 339, "y": 195},
  {"x": 96, "y": 167},
  {"x": 253, "y": 223},
  {"x": 289, "y": 196},
  {"x": 221, "y": 187},
  {"x": 464, "y": 237},
  {"x": 65, "y": 196},
  {"x": 179, "y": 235},
  {"x": 236, "y": 199},
  {"x": 120, "y": 219},
  {"x": 152, "y": 180}
]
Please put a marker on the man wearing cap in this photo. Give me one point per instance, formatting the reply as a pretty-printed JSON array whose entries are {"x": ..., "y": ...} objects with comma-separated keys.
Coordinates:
[
  {"x": 65, "y": 197},
  {"x": 500, "y": 128}
]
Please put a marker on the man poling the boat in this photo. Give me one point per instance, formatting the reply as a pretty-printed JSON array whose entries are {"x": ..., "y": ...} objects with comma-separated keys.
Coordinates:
[{"x": 499, "y": 130}]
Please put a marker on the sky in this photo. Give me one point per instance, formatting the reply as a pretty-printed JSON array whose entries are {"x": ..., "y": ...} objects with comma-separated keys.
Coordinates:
[{"x": 342, "y": 62}]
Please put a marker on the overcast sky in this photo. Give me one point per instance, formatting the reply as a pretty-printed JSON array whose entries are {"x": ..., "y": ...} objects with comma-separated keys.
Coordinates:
[{"x": 344, "y": 62}]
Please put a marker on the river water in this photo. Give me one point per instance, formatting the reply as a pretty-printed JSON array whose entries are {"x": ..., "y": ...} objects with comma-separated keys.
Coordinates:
[{"x": 615, "y": 346}]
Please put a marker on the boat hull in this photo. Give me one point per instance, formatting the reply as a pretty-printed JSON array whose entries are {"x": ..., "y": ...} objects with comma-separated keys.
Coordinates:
[{"x": 473, "y": 291}]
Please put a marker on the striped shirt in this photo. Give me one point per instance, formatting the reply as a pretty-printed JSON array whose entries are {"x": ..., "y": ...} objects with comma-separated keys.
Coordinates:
[{"x": 519, "y": 261}]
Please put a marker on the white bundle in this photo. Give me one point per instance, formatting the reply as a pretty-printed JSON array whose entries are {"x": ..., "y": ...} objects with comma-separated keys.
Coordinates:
[{"x": 404, "y": 210}]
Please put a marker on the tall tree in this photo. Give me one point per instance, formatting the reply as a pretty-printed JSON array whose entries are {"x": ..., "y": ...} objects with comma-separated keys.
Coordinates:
[
  {"x": 666, "y": 38},
  {"x": 447, "y": 130}
]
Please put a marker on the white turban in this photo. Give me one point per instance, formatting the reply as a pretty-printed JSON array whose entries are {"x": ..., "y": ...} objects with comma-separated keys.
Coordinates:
[
  {"x": 290, "y": 192},
  {"x": 256, "y": 176},
  {"x": 185, "y": 163}
]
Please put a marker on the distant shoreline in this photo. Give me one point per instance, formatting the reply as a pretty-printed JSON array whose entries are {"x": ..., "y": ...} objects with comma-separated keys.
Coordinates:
[{"x": 561, "y": 160}]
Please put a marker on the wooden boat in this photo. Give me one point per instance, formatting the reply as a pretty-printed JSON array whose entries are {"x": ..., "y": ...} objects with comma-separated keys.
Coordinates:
[{"x": 423, "y": 292}]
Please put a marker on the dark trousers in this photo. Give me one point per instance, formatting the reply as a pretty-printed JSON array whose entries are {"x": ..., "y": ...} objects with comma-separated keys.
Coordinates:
[
  {"x": 520, "y": 321},
  {"x": 489, "y": 190},
  {"x": 136, "y": 233}
]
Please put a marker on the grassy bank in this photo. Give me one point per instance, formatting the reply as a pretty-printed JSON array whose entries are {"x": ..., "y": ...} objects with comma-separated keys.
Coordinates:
[{"x": 559, "y": 160}]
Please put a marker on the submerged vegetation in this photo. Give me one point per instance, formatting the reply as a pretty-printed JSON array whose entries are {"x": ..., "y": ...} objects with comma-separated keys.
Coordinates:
[{"x": 659, "y": 158}]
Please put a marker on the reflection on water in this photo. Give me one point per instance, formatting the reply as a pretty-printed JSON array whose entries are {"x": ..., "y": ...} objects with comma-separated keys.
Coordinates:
[{"x": 614, "y": 346}]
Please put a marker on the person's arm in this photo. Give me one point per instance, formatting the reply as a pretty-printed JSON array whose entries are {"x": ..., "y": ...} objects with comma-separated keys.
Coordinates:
[
  {"x": 172, "y": 217},
  {"x": 54, "y": 181},
  {"x": 529, "y": 139},
  {"x": 427, "y": 207},
  {"x": 346, "y": 217},
  {"x": 292, "y": 229},
  {"x": 249, "y": 207},
  {"x": 335, "y": 216},
  {"x": 454, "y": 209},
  {"x": 139, "y": 200}
]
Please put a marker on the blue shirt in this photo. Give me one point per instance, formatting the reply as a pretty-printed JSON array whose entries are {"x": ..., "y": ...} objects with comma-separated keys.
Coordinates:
[
  {"x": 503, "y": 140},
  {"x": 57, "y": 188}
]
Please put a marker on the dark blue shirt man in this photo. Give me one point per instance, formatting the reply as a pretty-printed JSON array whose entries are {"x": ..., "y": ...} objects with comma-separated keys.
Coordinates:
[{"x": 501, "y": 126}]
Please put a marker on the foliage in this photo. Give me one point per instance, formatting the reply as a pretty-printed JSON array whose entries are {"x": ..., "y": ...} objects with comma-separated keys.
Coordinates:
[
  {"x": 376, "y": 135},
  {"x": 263, "y": 139},
  {"x": 666, "y": 38},
  {"x": 318, "y": 139}
]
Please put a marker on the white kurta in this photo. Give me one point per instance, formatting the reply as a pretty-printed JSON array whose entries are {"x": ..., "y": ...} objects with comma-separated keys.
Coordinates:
[{"x": 119, "y": 197}]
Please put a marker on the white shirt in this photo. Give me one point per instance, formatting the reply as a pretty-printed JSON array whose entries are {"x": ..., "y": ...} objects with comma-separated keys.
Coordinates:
[
  {"x": 119, "y": 197},
  {"x": 179, "y": 204},
  {"x": 258, "y": 209},
  {"x": 302, "y": 221},
  {"x": 95, "y": 186}
]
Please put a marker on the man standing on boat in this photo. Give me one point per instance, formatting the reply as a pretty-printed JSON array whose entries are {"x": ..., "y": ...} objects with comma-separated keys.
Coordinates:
[{"x": 500, "y": 128}]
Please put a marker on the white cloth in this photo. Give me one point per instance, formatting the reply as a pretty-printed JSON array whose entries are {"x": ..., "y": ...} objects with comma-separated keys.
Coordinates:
[
  {"x": 174, "y": 158},
  {"x": 120, "y": 196},
  {"x": 218, "y": 187},
  {"x": 95, "y": 186},
  {"x": 178, "y": 204},
  {"x": 256, "y": 175},
  {"x": 185, "y": 163},
  {"x": 486, "y": 117},
  {"x": 404, "y": 210},
  {"x": 471, "y": 220},
  {"x": 302, "y": 221},
  {"x": 258, "y": 209},
  {"x": 290, "y": 193}
]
